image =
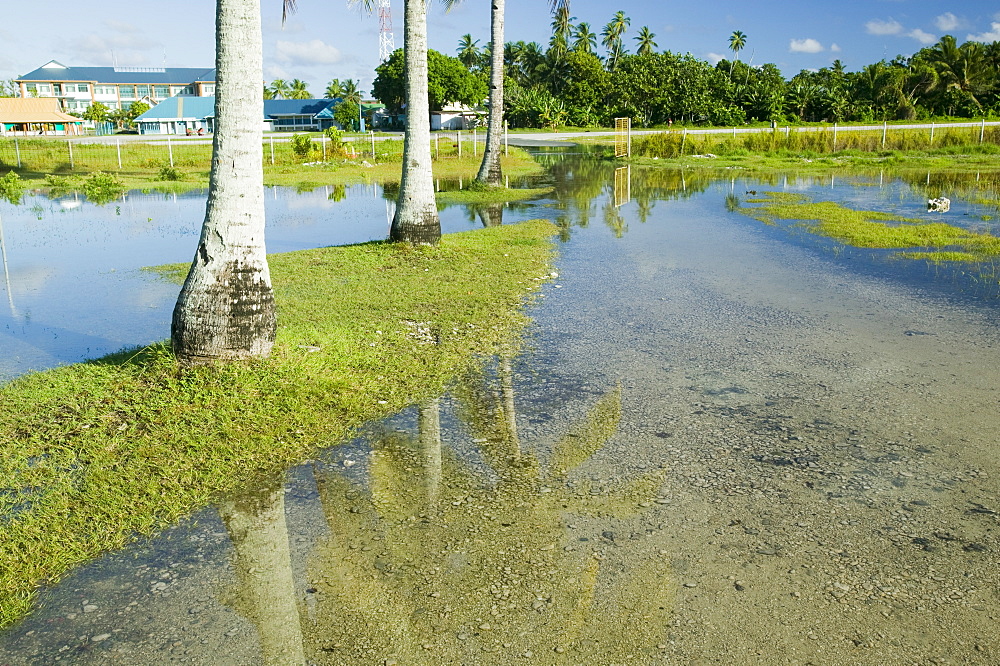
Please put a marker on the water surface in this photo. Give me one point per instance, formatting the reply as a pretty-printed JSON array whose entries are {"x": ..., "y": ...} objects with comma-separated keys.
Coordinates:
[{"x": 725, "y": 443}]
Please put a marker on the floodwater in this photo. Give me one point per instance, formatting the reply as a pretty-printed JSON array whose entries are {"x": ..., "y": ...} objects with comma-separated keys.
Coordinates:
[
  {"x": 725, "y": 442},
  {"x": 72, "y": 284}
]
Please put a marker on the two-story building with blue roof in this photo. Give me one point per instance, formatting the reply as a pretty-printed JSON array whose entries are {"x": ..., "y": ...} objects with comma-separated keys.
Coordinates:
[{"x": 114, "y": 87}]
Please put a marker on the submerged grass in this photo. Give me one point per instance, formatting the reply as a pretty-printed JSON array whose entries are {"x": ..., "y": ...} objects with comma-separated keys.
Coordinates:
[
  {"x": 873, "y": 229},
  {"x": 93, "y": 454}
]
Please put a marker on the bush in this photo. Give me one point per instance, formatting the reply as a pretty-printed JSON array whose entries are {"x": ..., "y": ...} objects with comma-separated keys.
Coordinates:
[
  {"x": 168, "y": 172},
  {"x": 11, "y": 188},
  {"x": 302, "y": 146},
  {"x": 101, "y": 187}
]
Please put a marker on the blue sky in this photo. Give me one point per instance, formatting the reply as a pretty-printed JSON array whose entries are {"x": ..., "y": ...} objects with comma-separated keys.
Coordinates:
[{"x": 324, "y": 39}]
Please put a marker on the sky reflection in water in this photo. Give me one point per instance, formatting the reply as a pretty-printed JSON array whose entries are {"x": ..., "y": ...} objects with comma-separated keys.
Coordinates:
[{"x": 723, "y": 438}]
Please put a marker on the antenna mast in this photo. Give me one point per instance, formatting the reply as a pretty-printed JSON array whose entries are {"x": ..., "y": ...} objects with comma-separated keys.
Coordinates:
[{"x": 386, "y": 44}]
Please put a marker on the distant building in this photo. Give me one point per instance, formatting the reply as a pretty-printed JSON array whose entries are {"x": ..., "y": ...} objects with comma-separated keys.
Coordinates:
[
  {"x": 456, "y": 117},
  {"x": 178, "y": 115},
  {"x": 115, "y": 87},
  {"x": 35, "y": 116}
]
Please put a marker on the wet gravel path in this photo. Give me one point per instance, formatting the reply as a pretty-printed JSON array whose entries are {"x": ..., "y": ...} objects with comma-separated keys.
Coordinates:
[{"x": 824, "y": 452}]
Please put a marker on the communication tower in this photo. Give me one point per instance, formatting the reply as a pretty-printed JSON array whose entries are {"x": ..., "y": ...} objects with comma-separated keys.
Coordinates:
[{"x": 386, "y": 44}]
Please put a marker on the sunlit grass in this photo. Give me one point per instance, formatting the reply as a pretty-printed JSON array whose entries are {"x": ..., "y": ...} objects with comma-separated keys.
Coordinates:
[
  {"x": 874, "y": 229},
  {"x": 93, "y": 454}
]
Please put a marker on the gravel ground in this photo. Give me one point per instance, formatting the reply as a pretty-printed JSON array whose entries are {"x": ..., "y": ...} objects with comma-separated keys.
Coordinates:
[{"x": 803, "y": 472}]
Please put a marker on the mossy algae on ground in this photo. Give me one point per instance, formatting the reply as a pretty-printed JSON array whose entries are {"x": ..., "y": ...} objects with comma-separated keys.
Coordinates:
[
  {"x": 95, "y": 453},
  {"x": 873, "y": 229}
]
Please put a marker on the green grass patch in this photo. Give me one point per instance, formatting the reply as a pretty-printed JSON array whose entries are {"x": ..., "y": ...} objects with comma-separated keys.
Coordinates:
[
  {"x": 94, "y": 454},
  {"x": 875, "y": 229},
  {"x": 182, "y": 166},
  {"x": 491, "y": 195}
]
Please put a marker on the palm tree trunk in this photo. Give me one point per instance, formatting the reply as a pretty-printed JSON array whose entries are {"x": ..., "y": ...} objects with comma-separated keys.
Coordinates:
[
  {"x": 416, "y": 220},
  {"x": 489, "y": 170},
  {"x": 226, "y": 307}
]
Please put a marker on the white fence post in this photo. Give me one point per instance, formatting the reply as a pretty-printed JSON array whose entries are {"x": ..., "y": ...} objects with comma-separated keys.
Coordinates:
[
  {"x": 118, "y": 147},
  {"x": 70, "y": 145},
  {"x": 170, "y": 149}
]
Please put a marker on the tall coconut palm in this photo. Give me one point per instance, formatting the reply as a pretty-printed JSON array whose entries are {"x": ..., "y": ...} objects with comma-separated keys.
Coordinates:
[
  {"x": 280, "y": 89},
  {"x": 468, "y": 51},
  {"x": 645, "y": 39},
  {"x": 562, "y": 29},
  {"x": 584, "y": 41},
  {"x": 334, "y": 89},
  {"x": 490, "y": 172},
  {"x": 737, "y": 41},
  {"x": 416, "y": 220},
  {"x": 349, "y": 91},
  {"x": 225, "y": 310},
  {"x": 298, "y": 89},
  {"x": 964, "y": 68},
  {"x": 612, "y": 34}
]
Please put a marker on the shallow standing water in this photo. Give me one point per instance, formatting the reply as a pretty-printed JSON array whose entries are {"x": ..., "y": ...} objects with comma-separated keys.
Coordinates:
[{"x": 725, "y": 443}]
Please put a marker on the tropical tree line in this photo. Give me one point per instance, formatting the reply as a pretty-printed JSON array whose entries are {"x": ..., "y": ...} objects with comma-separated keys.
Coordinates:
[{"x": 586, "y": 78}]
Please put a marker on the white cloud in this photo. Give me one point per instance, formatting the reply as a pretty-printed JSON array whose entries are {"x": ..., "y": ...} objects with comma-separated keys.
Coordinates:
[
  {"x": 879, "y": 27},
  {"x": 808, "y": 45},
  {"x": 835, "y": 47},
  {"x": 272, "y": 72},
  {"x": 921, "y": 36},
  {"x": 992, "y": 36},
  {"x": 947, "y": 22},
  {"x": 714, "y": 58},
  {"x": 314, "y": 52}
]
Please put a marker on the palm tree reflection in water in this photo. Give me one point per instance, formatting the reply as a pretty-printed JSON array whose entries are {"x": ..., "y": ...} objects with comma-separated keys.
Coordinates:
[
  {"x": 439, "y": 561},
  {"x": 445, "y": 559}
]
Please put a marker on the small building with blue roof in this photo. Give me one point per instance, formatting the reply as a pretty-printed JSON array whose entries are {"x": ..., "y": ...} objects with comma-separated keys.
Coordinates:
[{"x": 182, "y": 115}]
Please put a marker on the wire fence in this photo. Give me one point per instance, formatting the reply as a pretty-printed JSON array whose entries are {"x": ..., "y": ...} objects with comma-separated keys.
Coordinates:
[
  {"x": 65, "y": 157},
  {"x": 819, "y": 140}
]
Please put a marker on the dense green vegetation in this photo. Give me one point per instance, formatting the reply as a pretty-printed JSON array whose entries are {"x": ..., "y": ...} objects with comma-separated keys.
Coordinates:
[
  {"x": 573, "y": 82},
  {"x": 95, "y": 453}
]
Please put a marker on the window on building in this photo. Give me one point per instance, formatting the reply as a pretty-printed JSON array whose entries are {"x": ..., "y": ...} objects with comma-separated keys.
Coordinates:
[
  {"x": 142, "y": 91},
  {"x": 209, "y": 89},
  {"x": 83, "y": 87},
  {"x": 126, "y": 92},
  {"x": 44, "y": 89},
  {"x": 31, "y": 88},
  {"x": 105, "y": 90},
  {"x": 161, "y": 92},
  {"x": 185, "y": 90}
]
